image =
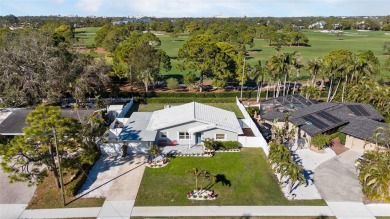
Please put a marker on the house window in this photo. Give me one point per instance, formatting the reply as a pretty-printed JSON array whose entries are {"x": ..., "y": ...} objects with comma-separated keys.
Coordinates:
[
  {"x": 164, "y": 134},
  {"x": 184, "y": 135},
  {"x": 220, "y": 136}
]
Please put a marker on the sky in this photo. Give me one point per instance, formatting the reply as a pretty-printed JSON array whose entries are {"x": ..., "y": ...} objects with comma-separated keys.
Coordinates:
[{"x": 196, "y": 8}]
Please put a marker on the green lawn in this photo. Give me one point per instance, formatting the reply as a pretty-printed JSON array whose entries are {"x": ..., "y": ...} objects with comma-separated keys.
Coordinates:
[
  {"x": 158, "y": 106},
  {"x": 320, "y": 44},
  {"x": 47, "y": 195},
  {"x": 251, "y": 180},
  {"x": 87, "y": 34}
]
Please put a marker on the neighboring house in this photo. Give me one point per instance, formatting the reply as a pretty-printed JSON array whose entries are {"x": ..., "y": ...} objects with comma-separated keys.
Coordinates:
[
  {"x": 187, "y": 124},
  {"x": 360, "y": 134},
  {"x": 311, "y": 118},
  {"x": 317, "y": 25},
  {"x": 14, "y": 119},
  {"x": 277, "y": 108}
]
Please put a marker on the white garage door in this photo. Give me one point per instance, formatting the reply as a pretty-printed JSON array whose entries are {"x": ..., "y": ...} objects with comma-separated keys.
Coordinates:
[{"x": 114, "y": 149}]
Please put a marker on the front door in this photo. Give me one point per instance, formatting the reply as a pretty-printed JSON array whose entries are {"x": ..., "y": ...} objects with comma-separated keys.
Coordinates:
[{"x": 198, "y": 138}]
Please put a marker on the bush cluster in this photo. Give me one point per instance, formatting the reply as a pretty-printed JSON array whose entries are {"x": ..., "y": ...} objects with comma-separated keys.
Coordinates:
[
  {"x": 73, "y": 187},
  {"x": 212, "y": 144},
  {"x": 322, "y": 140}
]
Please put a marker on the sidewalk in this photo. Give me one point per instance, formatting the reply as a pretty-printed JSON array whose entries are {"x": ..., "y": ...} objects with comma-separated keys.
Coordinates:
[
  {"x": 122, "y": 209},
  {"x": 232, "y": 211}
]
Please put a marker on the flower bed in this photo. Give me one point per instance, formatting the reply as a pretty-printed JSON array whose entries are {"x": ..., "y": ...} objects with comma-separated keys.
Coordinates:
[
  {"x": 231, "y": 150},
  {"x": 158, "y": 164},
  {"x": 205, "y": 154},
  {"x": 201, "y": 195}
]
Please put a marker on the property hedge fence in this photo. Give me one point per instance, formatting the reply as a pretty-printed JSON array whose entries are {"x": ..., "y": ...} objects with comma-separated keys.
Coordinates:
[
  {"x": 189, "y": 99},
  {"x": 151, "y": 94}
]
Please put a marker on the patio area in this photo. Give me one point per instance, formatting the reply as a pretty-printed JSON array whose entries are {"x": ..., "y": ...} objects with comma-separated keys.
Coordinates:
[{"x": 182, "y": 149}]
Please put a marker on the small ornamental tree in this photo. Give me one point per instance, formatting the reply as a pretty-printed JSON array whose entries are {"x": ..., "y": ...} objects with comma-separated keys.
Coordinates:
[
  {"x": 154, "y": 151},
  {"x": 172, "y": 83}
]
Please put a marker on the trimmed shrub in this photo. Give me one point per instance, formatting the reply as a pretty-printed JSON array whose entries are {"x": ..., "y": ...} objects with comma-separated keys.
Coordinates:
[
  {"x": 211, "y": 144},
  {"x": 251, "y": 110},
  {"x": 73, "y": 187},
  {"x": 228, "y": 145},
  {"x": 321, "y": 141}
]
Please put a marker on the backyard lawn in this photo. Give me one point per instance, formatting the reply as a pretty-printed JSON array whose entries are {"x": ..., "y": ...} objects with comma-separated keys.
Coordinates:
[
  {"x": 247, "y": 176},
  {"x": 158, "y": 106}
]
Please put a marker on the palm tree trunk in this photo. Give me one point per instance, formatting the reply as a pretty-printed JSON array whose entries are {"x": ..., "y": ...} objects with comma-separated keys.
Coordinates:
[
  {"x": 335, "y": 92},
  {"x": 284, "y": 86},
  {"x": 330, "y": 89},
  {"x": 345, "y": 83},
  {"x": 295, "y": 83},
  {"x": 313, "y": 80},
  {"x": 266, "y": 97}
]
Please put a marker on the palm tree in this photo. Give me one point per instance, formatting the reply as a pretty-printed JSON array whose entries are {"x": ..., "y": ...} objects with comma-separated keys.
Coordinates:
[
  {"x": 374, "y": 172},
  {"x": 295, "y": 174},
  {"x": 281, "y": 65},
  {"x": 314, "y": 66},
  {"x": 154, "y": 151},
  {"x": 196, "y": 173},
  {"x": 206, "y": 176}
]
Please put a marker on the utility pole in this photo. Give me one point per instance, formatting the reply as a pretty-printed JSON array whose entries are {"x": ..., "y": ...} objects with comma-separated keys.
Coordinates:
[
  {"x": 59, "y": 166},
  {"x": 242, "y": 77}
]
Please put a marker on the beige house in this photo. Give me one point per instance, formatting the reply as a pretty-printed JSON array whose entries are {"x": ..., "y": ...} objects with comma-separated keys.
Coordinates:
[
  {"x": 360, "y": 134},
  {"x": 311, "y": 118}
]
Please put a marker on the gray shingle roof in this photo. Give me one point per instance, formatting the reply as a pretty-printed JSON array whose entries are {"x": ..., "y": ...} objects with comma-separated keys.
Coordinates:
[
  {"x": 362, "y": 128},
  {"x": 272, "y": 115},
  {"x": 15, "y": 122},
  {"x": 338, "y": 110}
]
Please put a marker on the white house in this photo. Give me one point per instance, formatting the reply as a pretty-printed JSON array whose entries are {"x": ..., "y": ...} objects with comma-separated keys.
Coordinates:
[{"x": 186, "y": 124}]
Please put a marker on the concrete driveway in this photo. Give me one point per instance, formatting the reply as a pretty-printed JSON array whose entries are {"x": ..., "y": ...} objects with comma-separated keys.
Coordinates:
[
  {"x": 337, "y": 179},
  {"x": 14, "y": 197},
  {"x": 14, "y": 193}
]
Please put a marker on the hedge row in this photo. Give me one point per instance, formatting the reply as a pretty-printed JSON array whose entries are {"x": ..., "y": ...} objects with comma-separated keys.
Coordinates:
[
  {"x": 190, "y": 99},
  {"x": 80, "y": 177},
  {"x": 123, "y": 94},
  {"x": 245, "y": 94}
]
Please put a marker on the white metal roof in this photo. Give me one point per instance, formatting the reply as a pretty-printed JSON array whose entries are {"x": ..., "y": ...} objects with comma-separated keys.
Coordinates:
[
  {"x": 135, "y": 128},
  {"x": 116, "y": 108},
  {"x": 193, "y": 111}
]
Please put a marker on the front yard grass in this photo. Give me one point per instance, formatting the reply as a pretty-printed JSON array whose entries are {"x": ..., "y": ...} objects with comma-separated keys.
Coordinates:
[
  {"x": 251, "y": 180},
  {"x": 226, "y": 106},
  {"x": 47, "y": 195}
]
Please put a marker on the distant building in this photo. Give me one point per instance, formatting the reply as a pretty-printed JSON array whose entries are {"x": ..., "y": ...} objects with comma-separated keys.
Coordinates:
[
  {"x": 133, "y": 20},
  {"x": 317, "y": 25}
]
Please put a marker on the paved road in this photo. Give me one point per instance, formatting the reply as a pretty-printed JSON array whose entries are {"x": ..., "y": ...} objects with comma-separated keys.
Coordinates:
[{"x": 336, "y": 179}]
